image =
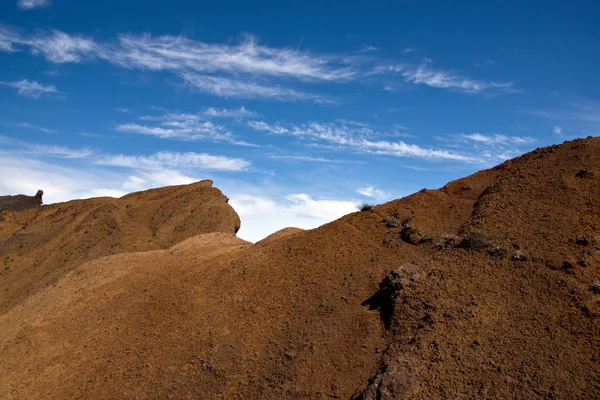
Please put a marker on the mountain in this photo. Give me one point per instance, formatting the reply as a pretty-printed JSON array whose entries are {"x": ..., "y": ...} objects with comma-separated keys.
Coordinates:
[{"x": 485, "y": 288}]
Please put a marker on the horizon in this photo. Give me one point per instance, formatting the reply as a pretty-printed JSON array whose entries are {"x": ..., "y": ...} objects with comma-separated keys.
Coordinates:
[{"x": 296, "y": 112}]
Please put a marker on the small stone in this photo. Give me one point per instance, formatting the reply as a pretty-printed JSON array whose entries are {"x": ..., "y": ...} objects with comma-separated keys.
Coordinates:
[
  {"x": 596, "y": 287},
  {"x": 567, "y": 265},
  {"x": 519, "y": 256}
]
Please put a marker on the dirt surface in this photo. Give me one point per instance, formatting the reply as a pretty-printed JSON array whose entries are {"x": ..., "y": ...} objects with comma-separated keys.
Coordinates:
[
  {"x": 40, "y": 245},
  {"x": 482, "y": 289}
]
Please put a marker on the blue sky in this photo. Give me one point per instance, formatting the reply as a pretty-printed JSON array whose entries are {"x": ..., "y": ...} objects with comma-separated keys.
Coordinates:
[{"x": 298, "y": 111}]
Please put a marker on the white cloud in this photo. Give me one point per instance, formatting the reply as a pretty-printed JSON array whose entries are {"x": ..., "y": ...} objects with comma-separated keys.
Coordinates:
[
  {"x": 31, "y": 89},
  {"x": 59, "y": 47},
  {"x": 28, "y": 167},
  {"x": 367, "y": 49},
  {"x": 60, "y": 183},
  {"x": 185, "y": 161},
  {"x": 241, "y": 112},
  {"x": 7, "y": 39},
  {"x": 263, "y": 215},
  {"x": 427, "y": 75},
  {"x": 557, "y": 130},
  {"x": 304, "y": 158},
  {"x": 370, "y": 191},
  {"x": 244, "y": 89},
  {"x": 263, "y": 126},
  {"x": 354, "y": 139},
  {"x": 246, "y": 70},
  {"x": 182, "y": 126},
  {"x": 236, "y": 71},
  {"x": 496, "y": 139},
  {"x": 24, "y": 148},
  {"x": 31, "y": 4},
  {"x": 179, "y": 53},
  {"x": 442, "y": 79},
  {"x": 123, "y": 110}
]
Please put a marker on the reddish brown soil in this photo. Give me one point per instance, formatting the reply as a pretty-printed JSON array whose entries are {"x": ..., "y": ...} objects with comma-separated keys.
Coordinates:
[{"x": 302, "y": 314}]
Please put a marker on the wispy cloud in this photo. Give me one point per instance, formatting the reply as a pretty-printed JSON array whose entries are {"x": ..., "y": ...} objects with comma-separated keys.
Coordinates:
[
  {"x": 27, "y": 125},
  {"x": 241, "y": 89},
  {"x": 123, "y": 110},
  {"x": 224, "y": 70},
  {"x": 370, "y": 191},
  {"x": 265, "y": 127},
  {"x": 491, "y": 147},
  {"x": 59, "y": 47},
  {"x": 496, "y": 139},
  {"x": 179, "y": 53},
  {"x": 304, "y": 158},
  {"x": 182, "y": 126},
  {"x": 25, "y": 148},
  {"x": 167, "y": 159},
  {"x": 367, "y": 49},
  {"x": 28, "y": 167},
  {"x": 241, "y": 112},
  {"x": 557, "y": 130},
  {"x": 31, "y": 89},
  {"x": 427, "y": 75},
  {"x": 244, "y": 70},
  {"x": 357, "y": 139},
  {"x": 581, "y": 112},
  {"x": 31, "y": 4}
]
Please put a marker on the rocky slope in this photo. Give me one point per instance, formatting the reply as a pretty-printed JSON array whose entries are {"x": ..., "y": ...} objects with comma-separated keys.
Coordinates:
[
  {"x": 40, "y": 245},
  {"x": 482, "y": 289}
]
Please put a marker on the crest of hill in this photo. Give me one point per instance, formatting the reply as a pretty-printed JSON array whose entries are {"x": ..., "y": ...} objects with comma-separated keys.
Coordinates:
[
  {"x": 40, "y": 245},
  {"x": 319, "y": 314}
]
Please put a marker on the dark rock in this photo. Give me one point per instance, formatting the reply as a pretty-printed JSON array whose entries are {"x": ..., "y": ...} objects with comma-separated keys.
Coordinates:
[{"x": 21, "y": 202}]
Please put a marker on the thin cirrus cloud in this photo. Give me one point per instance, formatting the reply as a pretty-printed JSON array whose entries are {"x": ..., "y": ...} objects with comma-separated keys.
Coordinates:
[
  {"x": 232, "y": 88},
  {"x": 31, "y": 89},
  {"x": 31, "y": 4},
  {"x": 583, "y": 112},
  {"x": 167, "y": 159},
  {"x": 305, "y": 158},
  {"x": 25, "y": 148},
  {"x": 359, "y": 140},
  {"x": 203, "y": 66},
  {"x": 245, "y": 70},
  {"x": 437, "y": 78},
  {"x": 497, "y": 139},
  {"x": 27, "y": 125},
  {"x": 180, "y": 160},
  {"x": 239, "y": 113},
  {"x": 182, "y": 126},
  {"x": 104, "y": 175},
  {"x": 370, "y": 191}
]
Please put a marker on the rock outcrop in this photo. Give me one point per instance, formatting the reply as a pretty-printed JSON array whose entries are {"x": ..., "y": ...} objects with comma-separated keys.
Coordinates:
[{"x": 20, "y": 202}]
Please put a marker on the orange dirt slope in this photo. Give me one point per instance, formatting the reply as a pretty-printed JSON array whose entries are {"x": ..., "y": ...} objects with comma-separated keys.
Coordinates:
[
  {"x": 510, "y": 312},
  {"x": 40, "y": 245}
]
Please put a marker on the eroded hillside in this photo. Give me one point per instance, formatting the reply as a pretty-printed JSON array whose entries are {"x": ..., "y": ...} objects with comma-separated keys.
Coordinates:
[
  {"x": 492, "y": 296},
  {"x": 40, "y": 245}
]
